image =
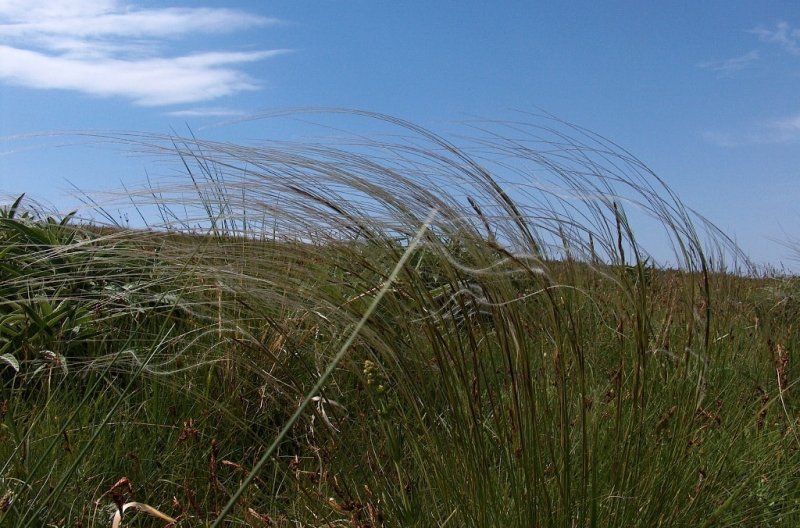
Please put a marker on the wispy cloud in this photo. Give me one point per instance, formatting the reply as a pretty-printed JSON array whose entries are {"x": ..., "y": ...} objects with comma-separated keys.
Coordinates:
[
  {"x": 215, "y": 111},
  {"x": 775, "y": 131},
  {"x": 110, "y": 48},
  {"x": 728, "y": 67},
  {"x": 782, "y": 34}
]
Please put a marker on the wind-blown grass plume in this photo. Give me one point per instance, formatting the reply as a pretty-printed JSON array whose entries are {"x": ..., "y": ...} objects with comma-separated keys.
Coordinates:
[{"x": 533, "y": 362}]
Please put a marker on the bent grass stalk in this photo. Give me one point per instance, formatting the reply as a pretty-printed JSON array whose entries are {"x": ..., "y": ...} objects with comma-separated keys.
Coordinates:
[{"x": 146, "y": 508}]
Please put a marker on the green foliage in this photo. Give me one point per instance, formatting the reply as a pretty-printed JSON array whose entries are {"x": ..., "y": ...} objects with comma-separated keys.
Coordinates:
[{"x": 529, "y": 365}]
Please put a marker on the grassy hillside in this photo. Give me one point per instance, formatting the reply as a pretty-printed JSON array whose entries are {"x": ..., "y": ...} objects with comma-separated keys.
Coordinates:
[{"x": 395, "y": 334}]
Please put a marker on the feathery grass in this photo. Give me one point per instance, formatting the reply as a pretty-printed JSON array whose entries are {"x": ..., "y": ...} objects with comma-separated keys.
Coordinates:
[{"x": 531, "y": 363}]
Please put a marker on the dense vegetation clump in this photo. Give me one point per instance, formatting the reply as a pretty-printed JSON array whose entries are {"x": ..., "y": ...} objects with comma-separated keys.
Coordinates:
[{"x": 395, "y": 334}]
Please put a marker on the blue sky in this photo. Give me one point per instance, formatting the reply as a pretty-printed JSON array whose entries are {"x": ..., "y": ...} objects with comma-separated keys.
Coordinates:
[{"x": 705, "y": 93}]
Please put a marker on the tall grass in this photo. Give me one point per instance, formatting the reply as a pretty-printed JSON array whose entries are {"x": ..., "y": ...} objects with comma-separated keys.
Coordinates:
[{"x": 253, "y": 359}]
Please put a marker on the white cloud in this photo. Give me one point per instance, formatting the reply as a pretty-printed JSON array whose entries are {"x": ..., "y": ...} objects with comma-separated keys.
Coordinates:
[
  {"x": 107, "y": 48},
  {"x": 770, "y": 132},
  {"x": 783, "y": 35},
  {"x": 163, "y": 22},
  {"x": 730, "y": 66},
  {"x": 214, "y": 111}
]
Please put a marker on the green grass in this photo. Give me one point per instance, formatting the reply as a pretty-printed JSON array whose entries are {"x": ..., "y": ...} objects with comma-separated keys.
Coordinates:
[{"x": 278, "y": 352}]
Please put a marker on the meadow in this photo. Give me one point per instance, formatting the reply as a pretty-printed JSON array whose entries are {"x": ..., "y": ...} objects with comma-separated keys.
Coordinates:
[{"x": 412, "y": 331}]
